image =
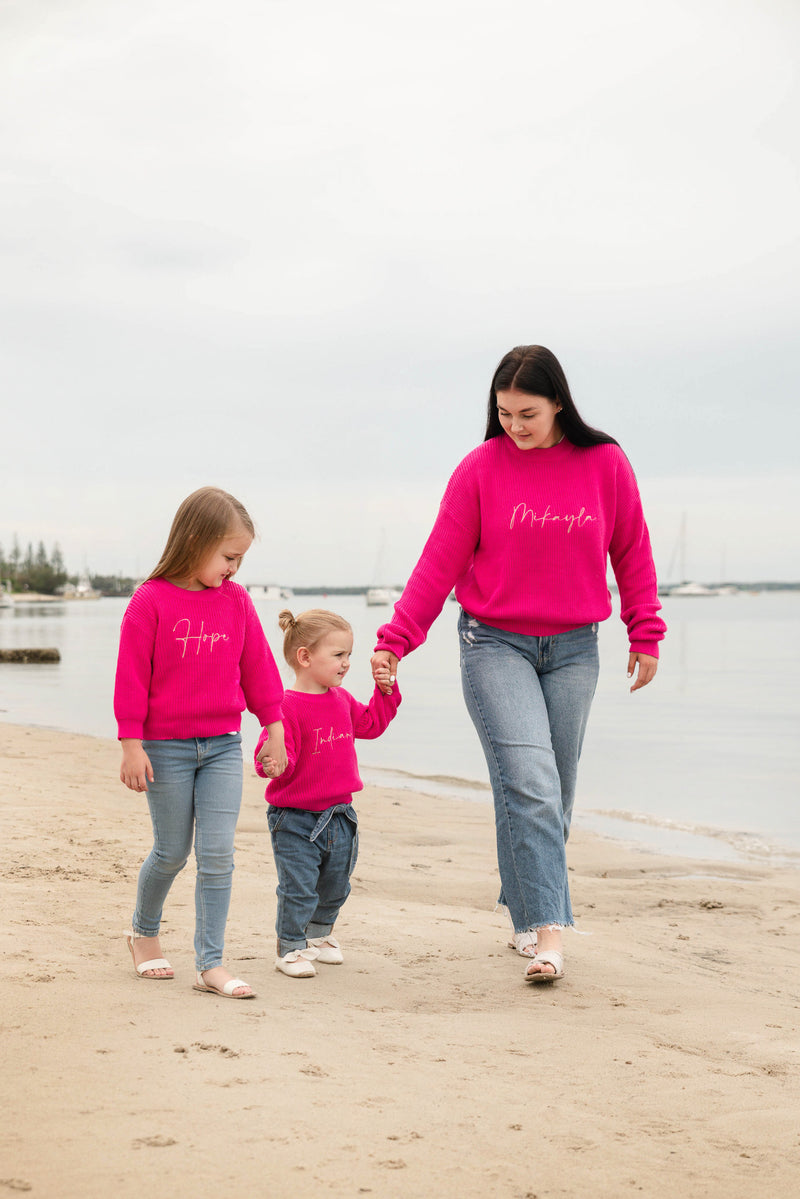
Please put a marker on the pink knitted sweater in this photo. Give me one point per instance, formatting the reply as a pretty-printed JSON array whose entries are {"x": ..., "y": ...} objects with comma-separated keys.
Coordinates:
[
  {"x": 191, "y": 661},
  {"x": 320, "y": 730},
  {"x": 524, "y": 537}
]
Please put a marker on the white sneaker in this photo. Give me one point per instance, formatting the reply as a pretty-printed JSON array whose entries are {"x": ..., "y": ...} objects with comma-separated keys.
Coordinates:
[
  {"x": 328, "y": 949},
  {"x": 298, "y": 964}
]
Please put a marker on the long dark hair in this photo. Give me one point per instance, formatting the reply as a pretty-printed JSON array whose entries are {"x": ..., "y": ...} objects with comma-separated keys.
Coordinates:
[{"x": 536, "y": 371}]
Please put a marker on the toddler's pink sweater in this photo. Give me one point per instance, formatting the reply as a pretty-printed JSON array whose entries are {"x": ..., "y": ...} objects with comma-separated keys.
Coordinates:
[
  {"x": 191, "y": 661},
  {"x": 320, "y": 730},
  {"x": 524, "y": 537}
]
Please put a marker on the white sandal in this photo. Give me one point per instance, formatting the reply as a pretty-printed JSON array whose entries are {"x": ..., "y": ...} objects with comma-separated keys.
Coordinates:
[
  {"x": 299, "y": 963},
  {"x": 153, "y": 964},
  {"x": 226, "y": 990},
  {"x": 524, "y": 943},
  {"x": 550, "y": 957},
  {"x": 330, "y": 953}
]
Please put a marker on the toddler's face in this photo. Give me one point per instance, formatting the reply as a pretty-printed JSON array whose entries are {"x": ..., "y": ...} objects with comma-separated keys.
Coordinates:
[{"x": 329, "y": 660}]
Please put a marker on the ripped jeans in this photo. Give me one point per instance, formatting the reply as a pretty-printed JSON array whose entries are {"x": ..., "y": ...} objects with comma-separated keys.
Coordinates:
[{"x": 529, "y": 699}]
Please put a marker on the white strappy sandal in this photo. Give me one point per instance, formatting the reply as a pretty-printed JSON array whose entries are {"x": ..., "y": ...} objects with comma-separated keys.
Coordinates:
[
  {"x": 226, "y": 990},
  {"x": 549, "y": 957},
  {"x": 153, "y": 964}
]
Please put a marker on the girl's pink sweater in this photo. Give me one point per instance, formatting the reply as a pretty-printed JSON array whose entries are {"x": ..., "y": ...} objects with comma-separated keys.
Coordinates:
[
  {"x": 320, "y": 730},
  {"x": 191, "y": 661},
  {"x": 524, "y": 537}
]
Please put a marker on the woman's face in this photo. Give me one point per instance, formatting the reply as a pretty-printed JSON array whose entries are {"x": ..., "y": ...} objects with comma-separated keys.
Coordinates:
[{"x": 530, "y": 421}]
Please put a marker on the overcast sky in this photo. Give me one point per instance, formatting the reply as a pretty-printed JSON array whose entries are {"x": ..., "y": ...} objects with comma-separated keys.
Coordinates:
[{"x": 281, "y": 247}]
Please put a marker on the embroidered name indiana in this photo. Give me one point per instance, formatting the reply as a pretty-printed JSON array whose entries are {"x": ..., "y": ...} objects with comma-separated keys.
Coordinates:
[
  {"x": 328, "y": 738},
  {"x": 522, "y": 512}
]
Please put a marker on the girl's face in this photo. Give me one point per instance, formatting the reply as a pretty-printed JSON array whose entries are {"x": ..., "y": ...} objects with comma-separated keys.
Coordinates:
[
  {"x": 530, "y": 421},
  {"x": 223, "y": 562},
  {"x": 328, "y": 662}
]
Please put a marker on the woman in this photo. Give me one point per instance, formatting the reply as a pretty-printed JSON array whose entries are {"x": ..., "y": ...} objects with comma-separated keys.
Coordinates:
[{"x": 524, "y": 531}]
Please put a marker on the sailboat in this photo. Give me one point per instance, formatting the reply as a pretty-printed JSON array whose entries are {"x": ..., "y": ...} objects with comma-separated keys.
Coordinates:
[
  {"x": 380, "y": 595},
  {"x": 686, "y": 588}
]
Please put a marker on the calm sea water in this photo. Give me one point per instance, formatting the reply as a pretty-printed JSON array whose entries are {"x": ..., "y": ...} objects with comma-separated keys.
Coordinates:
[{"x": 704, "y": 762}]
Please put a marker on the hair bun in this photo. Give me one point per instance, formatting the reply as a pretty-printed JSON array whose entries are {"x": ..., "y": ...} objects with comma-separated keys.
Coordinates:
[{"x": 286, "y": 620}]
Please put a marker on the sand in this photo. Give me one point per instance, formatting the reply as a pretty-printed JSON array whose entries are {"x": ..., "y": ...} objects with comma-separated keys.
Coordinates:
[{"x": 666, "y": 1062}]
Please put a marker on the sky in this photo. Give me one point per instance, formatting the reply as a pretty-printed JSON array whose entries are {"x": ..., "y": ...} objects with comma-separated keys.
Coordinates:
[{"x": 281, "y": 248}]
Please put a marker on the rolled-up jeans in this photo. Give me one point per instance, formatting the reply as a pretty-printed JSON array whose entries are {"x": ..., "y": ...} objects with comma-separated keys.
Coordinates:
[
  {"x": 196, "y": 792},
  {"x": 529, "y": 699},
  {"x": 315, "y": 856}
]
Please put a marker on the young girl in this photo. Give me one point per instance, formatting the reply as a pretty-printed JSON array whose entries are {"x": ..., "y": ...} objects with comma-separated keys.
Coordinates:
[
  {"x": 311, "y": 818},
  {"x": 192, "y": 655}
]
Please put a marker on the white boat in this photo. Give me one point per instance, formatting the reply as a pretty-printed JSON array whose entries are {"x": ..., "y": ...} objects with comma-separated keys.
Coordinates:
[
  {"x": 380, "y": 596},
  {"x": 5, "y": 597},
  {"x": 693, "y": 589},
  {"x": 686, "y": 588},
  {"x": 270, "y": 591},
  {"x": 82, "y": 590}
]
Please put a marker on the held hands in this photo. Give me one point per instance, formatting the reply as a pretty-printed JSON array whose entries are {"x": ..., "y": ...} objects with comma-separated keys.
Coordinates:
[
  {"x": 272, "y": 754},
  {"x": 647, "y": 669},
  {"x": 384, "y": 669},
  {"x": 136, "y": 770}
]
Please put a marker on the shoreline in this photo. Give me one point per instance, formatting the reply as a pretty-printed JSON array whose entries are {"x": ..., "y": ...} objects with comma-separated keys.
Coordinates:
[
  {"x": 666, "y": 1061},
  {"x": 638, "y": 831}
]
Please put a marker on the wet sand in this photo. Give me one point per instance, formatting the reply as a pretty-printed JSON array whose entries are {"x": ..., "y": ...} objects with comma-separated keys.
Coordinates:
[{"x": 665, "y": 1063}]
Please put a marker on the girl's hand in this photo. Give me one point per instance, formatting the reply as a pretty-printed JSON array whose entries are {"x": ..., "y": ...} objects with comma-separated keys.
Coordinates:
[
  {"x": 384, "y": 669},
  {"x": 647, "y": 669},
  {"x": 270, "y": 767},
  {"x": 273, "y": 750},
  {"x": 136, "y": 770}
]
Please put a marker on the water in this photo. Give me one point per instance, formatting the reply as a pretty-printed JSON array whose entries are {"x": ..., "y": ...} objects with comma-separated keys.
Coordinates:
[{"x": 703, "y": 762}]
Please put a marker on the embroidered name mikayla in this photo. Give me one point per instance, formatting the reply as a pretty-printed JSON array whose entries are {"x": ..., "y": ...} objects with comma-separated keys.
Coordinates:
[
  {"x": 329, "y": 737},
  {"x": 200, "y": 638},
  {"x": 522, "y": 513}
]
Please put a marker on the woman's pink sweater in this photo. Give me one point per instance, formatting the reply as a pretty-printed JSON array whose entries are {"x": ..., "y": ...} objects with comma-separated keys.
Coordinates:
[
  {"x": 524, "y": 537},
  {"x": 190, "y": 662}
]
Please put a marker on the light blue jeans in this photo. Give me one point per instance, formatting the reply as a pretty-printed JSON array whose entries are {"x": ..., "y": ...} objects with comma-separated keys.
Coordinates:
[
  {"x": 529, "y": 699},
  {"x": 197, "y": 792},
  {"x": 315, "y": 855}
]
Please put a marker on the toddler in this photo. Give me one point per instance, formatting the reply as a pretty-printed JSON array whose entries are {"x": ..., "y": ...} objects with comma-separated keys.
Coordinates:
[{"x": 312, "y": 821}]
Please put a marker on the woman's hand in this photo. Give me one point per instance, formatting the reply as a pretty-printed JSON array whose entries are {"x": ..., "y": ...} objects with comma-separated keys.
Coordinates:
[
  {"x": 384, "y": 669},
  {"x": 647, "y": 667},
  {"x": 136, "y": 770}
]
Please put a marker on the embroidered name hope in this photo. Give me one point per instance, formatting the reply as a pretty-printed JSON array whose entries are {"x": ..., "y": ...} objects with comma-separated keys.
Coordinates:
[
  {"x": 328, "y": 738},
  {"x": 201, "y": 638},
  {"x": 522, "y": 512}
]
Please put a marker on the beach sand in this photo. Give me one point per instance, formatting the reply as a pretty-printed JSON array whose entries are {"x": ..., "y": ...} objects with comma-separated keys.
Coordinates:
[{"x": 665, "y": 1063}]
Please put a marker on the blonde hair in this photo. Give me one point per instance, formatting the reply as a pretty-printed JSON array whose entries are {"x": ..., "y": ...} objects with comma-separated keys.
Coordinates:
[
  {"x": 204, "y": 519},
  {"x": 307, "y": 630}
]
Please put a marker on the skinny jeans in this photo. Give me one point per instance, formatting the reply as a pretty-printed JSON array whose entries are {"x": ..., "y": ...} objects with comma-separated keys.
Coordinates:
[
  {"x": 196, "y": 794},
  {"x": 529, "y": 699}
]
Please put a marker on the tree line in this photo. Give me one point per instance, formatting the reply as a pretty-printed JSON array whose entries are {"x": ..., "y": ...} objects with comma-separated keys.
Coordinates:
[{"x": 33, "y": 570}]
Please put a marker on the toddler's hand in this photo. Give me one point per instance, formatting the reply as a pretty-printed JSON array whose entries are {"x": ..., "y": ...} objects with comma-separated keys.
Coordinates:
[
  {"x": 273, "y": 750},
  {"x": 270, "y": 767},
  {"x": 384, "y": 670}
]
